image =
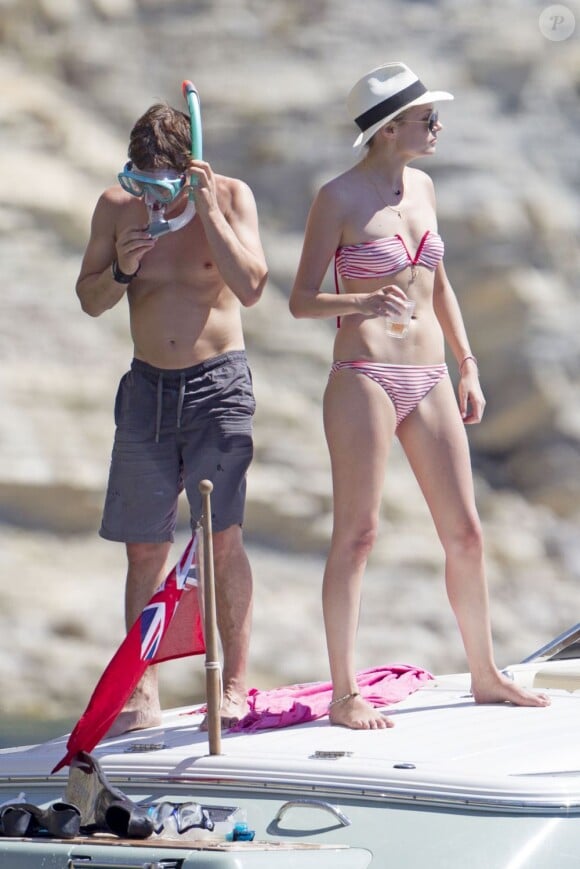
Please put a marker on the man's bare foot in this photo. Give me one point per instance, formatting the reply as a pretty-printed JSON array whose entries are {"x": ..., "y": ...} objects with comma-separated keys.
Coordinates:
[
  {"x": 234, "y": 707},
  {"x": 354, "y": 712},
  {"x": 141, "y": 710},
  {"x": 133, "y": 719},
  {"x": 500, "y": 689}
]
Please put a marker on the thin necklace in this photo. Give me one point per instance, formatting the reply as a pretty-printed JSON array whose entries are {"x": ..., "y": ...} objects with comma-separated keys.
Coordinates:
[{"x": 397, "y": 192}]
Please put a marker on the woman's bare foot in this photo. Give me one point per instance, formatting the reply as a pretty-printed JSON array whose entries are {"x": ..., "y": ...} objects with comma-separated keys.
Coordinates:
[
  {"x": 499, "y": 689},
  {"x": 354, "y": 712},
  {"x": 234, "y": 707}
]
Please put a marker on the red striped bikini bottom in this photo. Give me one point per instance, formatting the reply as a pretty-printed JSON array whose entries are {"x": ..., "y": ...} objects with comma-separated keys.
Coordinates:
[{"x": 406, "y": 385}]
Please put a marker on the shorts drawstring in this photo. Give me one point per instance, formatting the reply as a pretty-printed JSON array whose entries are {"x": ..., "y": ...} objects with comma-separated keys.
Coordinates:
[
  {"x": 181, "y": 399},
  {"x": 159, "y": 407}
]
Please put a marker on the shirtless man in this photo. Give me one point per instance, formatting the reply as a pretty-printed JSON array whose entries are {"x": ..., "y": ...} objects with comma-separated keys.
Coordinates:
[{"x": 184, "y": 410}]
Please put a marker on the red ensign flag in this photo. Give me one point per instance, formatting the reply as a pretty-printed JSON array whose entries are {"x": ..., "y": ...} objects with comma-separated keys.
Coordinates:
[{"x": 170, "y": 626}]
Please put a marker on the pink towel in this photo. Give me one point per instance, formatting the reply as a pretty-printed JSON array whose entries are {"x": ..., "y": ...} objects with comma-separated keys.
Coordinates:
[{"x": 296, "y": 704}]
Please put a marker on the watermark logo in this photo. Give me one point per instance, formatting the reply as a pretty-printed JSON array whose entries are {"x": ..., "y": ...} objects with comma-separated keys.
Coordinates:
[{"x": 557, "y": 23}]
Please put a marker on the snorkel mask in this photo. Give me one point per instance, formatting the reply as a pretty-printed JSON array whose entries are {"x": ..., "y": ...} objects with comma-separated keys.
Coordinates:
[{"x": 159, "y": 187}]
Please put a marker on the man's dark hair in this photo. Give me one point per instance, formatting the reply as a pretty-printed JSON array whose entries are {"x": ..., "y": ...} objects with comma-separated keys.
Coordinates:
[{"x": 161, "y": 139}]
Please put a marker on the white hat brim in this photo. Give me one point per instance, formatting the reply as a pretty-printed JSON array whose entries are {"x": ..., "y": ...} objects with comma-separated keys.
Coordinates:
[{"x": 423, "y": 100}]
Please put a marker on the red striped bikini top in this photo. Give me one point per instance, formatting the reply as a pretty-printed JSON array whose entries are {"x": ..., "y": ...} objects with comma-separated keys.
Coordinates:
[{"x": 385, "y": 256}]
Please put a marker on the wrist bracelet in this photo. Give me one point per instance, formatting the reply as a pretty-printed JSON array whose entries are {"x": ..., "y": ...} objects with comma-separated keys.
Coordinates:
[
  {"x": 464, "y": 360},
  {"x": 119, "y": 276}
]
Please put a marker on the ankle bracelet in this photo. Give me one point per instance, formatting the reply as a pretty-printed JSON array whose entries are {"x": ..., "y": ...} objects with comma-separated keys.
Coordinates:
[{"x": 344, "y": 698}]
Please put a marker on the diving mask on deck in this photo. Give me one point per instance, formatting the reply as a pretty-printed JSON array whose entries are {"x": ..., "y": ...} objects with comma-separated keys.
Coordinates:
[{"x": 162, "y": 185}]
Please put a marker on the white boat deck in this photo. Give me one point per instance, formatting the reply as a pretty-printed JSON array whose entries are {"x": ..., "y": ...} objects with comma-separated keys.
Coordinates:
[{"x": 443, "y": 749}]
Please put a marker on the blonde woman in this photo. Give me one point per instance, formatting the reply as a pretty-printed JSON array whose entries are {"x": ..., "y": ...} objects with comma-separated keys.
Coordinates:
[{"x": 378, "y": 220}]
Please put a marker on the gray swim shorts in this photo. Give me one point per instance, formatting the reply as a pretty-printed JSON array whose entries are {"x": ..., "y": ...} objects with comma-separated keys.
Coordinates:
[{"x": 175, "y": 428}]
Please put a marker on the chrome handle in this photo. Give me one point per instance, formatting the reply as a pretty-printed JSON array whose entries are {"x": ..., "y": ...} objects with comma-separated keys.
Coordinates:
[{"x": 313, "y": 804}]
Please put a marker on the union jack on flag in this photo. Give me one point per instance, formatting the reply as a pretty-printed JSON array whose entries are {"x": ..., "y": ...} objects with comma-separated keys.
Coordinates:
[
  {"x": 152, "y": 629},
  {"x": 157, "y": 615}
]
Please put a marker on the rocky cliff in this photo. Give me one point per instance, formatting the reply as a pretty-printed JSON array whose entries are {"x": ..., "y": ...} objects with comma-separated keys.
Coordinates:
[{"x": 272, "y": 77}]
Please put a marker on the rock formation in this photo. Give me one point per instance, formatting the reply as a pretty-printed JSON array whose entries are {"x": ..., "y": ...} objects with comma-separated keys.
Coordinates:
[{"x": 272, "y": 77}]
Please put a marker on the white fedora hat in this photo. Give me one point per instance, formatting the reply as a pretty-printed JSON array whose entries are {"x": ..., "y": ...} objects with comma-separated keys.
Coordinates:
[{"x": 382, "y": 94}]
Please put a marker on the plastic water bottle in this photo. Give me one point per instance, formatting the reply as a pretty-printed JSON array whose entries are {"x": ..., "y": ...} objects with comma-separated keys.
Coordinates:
[{"x": 241, "y": 833}]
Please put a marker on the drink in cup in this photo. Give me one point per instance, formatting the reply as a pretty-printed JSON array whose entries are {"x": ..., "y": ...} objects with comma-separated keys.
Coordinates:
[{"x": 398, "y": 324}]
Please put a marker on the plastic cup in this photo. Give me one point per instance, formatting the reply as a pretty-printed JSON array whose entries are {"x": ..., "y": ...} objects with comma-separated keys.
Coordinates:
[{"x": 398, "y": 324}]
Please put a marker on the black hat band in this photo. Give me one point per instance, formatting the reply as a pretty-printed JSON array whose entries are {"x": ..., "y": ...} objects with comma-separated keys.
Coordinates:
[{"x": 390, "y": 105}]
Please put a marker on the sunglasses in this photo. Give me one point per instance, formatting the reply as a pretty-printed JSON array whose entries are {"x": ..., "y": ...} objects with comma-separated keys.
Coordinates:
[
  {"x": 163, "y": 185},
  {"x": 431, "y": 121}
]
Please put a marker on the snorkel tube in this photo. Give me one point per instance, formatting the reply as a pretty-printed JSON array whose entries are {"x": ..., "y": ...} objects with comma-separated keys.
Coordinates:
[
  {"x": 160, "y": 226},
  {"x": 191, "y": 97}
]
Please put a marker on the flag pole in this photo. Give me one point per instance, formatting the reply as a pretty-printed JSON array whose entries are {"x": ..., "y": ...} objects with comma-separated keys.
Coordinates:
[{"x": 212, "y": 665}]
